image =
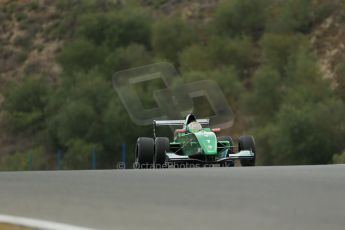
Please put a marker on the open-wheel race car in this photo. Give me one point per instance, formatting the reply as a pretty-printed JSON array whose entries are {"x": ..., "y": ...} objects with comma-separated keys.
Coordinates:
[{"x": 193, "y": 145}]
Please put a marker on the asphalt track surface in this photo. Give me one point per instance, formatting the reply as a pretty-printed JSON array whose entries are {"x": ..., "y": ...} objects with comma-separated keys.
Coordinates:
[{"x": 293, "y": 197}]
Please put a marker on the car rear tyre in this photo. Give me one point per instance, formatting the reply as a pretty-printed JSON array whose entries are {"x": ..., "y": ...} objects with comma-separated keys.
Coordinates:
[
  {"x": 247, "y": 143},
  {"x": 144, "y": 152},
  {"x": 227, "y": 138},
  {"x": 162, "y": 145}
]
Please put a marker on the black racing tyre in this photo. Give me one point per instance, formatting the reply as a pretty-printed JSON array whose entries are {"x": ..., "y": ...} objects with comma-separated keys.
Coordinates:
[
  {"x": 162, "y": 145},
  {"x": 144, "y": 151},
  {"x": 247, "y": 143},
  {"x": 227, "y": 138},
  {"x": 228, "y": 164}
]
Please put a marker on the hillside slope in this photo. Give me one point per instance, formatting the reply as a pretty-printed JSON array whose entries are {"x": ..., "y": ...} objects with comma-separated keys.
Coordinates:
[{"x": 280, "y": 64}]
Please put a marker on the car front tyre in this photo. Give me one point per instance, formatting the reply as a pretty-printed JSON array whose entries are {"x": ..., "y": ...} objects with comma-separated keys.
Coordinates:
[{"x": 247, "y": 143}]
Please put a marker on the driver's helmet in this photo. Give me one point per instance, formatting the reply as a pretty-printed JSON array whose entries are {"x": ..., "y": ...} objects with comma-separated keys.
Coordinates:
[{"x": 194, "y": 126}]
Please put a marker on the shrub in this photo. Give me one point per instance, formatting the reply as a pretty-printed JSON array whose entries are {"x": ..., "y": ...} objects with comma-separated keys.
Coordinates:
[
  {"x": 75, "y": 121},
  {"x": 298, "y": 119},
  {"x": 3, "y": 16},
  {"x": 241, "y": 17},
  {"x": 81, "y": 55},
  {"x": 32, "y": 67},
  {"x": 196, "y": 57},
  {"x": 299, "y": 15},
  {"x": 21, "y": 56},
  {"x": 238, "y": 52},
  {"x": 310, "y": 123},
  {"x": 34, "y": 5},
  {"x": 20, "y": 16},
  {"x": 226, "y": 77},
  {"x": 11, "y": 7},
  {"x": 25, "y": 104},
  {"x": 263, "y": 138},
  {"x": 220, "y": 52},
  {"x": 323, "y": 9},
  {"x": 79, "y": 117},
  {"x": 22, "y": 41},
  {"x": 122, "y": 58},
  {"x": 310, "y": 134},
  {"x": 116, "y": 29},
  {"x": 340, "y": 78},
  {"x": 78, "y": 155},
  {"x": 59, "y": 31},
  {"x": 14, "y": 162},
  {"x": 304, "y": 76},
  {"x": 342, "y": 11},
  {"x": 264, "y": 100},
  {"x": 339, "y": 158},
  {"x": 171, "y": 36},
  {"x": 277, "y": 49},
  {"x": 20, "y": 161}
]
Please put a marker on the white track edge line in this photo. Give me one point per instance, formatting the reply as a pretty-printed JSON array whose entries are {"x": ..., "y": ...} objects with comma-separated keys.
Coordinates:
[{"x": 38, "y": 224}]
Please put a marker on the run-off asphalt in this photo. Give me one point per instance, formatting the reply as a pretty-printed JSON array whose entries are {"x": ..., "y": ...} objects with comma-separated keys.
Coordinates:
[{"x": 290, "y": 197}]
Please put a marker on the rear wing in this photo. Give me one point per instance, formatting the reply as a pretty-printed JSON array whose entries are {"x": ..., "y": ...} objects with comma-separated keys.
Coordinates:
[
  {"x": 175, "y": 123},
  {"x": 178, "y": 122}
]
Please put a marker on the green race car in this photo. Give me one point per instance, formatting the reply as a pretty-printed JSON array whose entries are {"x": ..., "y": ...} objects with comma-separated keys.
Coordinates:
[{"x": 192, "y": 146}]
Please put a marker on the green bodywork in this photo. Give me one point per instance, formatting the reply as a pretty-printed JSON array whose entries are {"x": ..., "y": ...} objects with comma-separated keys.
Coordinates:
[{"x": 201, "y": 142}]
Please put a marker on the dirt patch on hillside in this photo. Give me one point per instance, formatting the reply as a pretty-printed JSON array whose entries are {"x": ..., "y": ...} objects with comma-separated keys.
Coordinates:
[{"x": 328, "y": 39}]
